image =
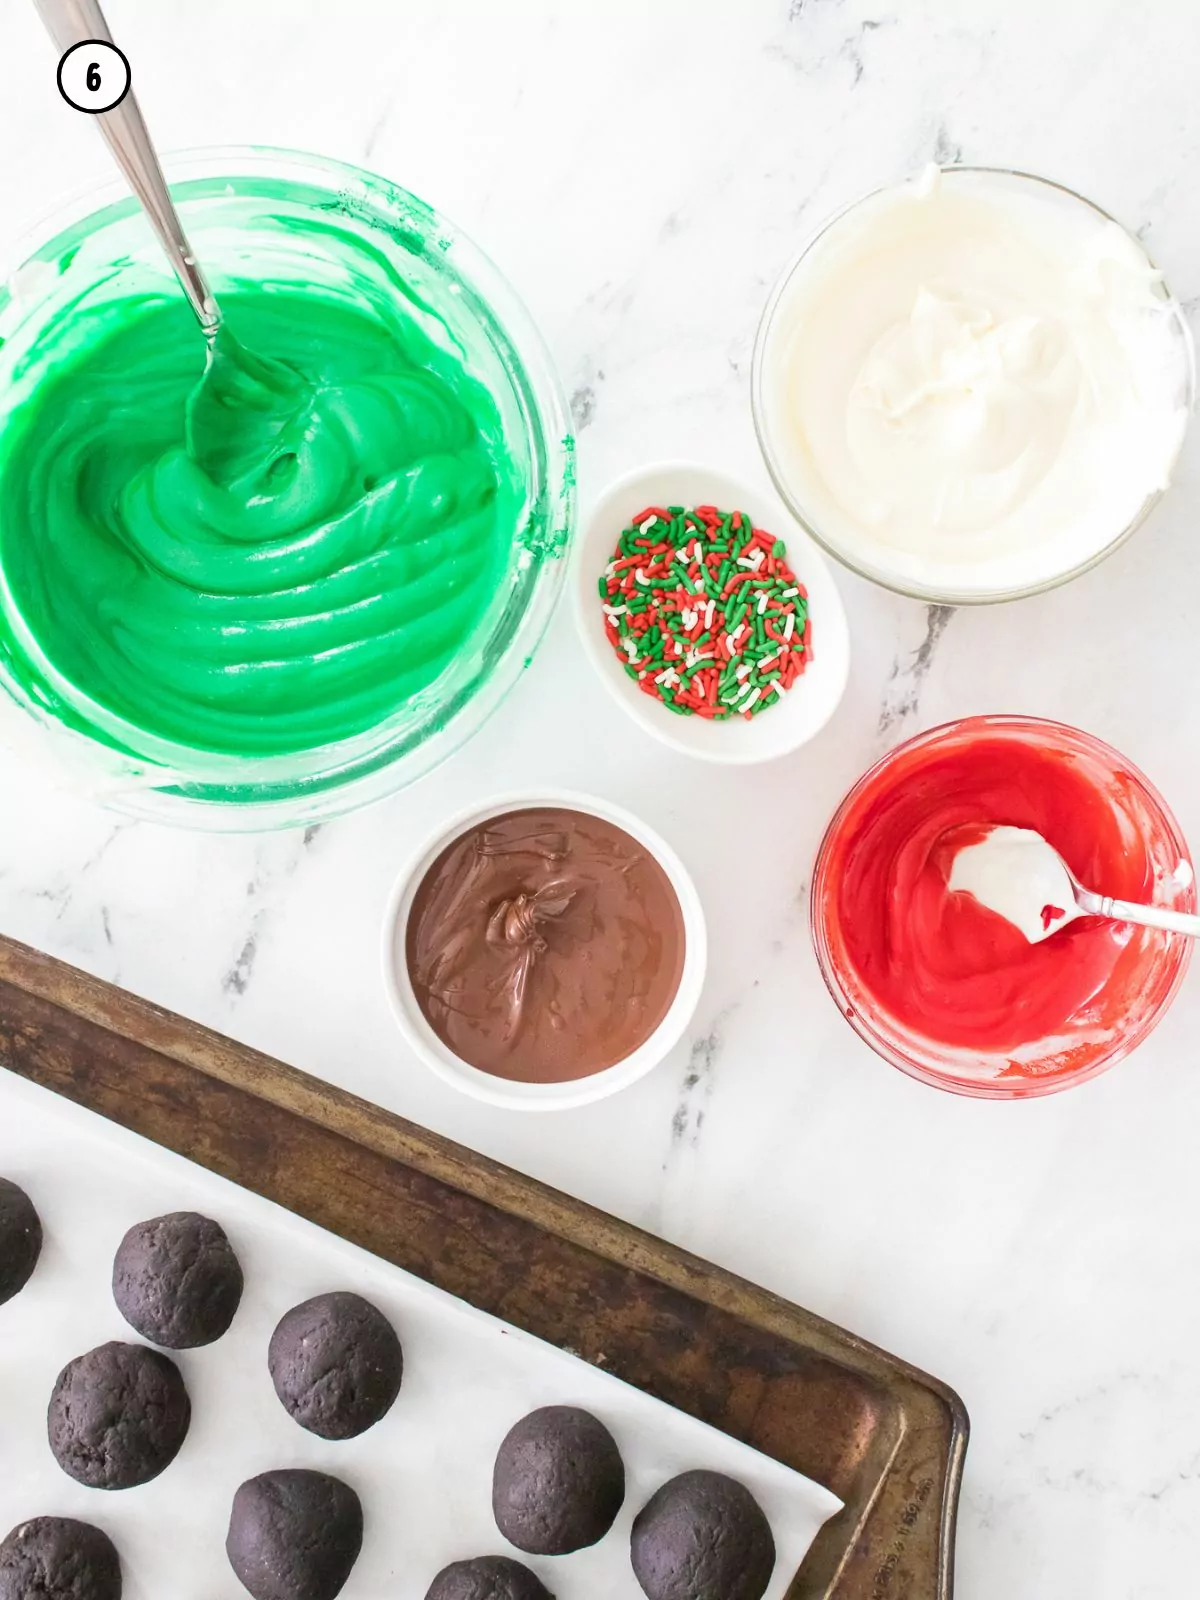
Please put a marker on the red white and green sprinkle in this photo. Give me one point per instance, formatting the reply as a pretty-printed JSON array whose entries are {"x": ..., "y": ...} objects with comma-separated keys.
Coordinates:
[{"x": 706, "y": 586}]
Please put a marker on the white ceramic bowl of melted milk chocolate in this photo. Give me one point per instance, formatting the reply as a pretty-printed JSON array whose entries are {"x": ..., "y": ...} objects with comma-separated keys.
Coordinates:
[{"x": 507, "y": 1092}]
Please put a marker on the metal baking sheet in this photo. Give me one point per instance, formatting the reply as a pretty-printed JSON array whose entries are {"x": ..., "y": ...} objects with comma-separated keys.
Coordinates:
[
  {"x": 886, "y": 1438},
  {"x": 423, "y": 1473}
]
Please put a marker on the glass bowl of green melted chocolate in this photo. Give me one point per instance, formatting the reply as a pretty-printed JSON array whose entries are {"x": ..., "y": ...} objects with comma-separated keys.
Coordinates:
[{"x": 269, "y": 583}]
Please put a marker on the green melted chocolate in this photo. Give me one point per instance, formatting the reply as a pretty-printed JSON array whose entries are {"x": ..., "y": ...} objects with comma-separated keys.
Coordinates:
[{"x": 258, "y": 558}]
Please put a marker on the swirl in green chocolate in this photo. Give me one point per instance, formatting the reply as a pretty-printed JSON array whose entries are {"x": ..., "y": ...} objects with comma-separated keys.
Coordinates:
[{"x": 268, "y": 560}]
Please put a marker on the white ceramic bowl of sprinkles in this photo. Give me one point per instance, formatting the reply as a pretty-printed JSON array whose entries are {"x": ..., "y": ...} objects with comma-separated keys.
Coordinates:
[{"x": 802, "y": 710}]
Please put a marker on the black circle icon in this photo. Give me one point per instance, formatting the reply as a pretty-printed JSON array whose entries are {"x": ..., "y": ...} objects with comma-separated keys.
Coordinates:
[{"x": 94, "y": 76}]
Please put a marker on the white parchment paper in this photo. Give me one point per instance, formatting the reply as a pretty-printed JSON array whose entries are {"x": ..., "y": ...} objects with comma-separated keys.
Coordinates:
[{"x": 423, "y": 1473}]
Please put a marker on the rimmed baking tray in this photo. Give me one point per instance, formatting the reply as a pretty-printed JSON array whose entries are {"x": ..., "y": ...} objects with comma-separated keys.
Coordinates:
[{"x": 885, "y": 1438}]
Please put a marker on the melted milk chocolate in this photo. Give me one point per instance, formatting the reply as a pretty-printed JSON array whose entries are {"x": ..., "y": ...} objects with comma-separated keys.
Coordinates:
[{"x": 545, "y": 945}]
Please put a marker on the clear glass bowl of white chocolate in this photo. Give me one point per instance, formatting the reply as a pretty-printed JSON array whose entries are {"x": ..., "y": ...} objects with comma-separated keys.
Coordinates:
[{"x": 972, "y": 386}]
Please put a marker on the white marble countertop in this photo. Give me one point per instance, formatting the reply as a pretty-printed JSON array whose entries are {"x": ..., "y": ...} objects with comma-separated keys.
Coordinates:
[{"x": 641, "y": 172}]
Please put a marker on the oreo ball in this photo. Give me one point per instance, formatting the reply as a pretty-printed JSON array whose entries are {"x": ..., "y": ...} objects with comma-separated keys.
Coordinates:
[
  {"x": 176, "y": 1280},
  {"x": 294, "y": 1535},
  {"x": 20, "y": 1239},
  {"x": 336, "y": 1364},
  {"x": 487, "y": 1578},
  {"x": 702, "y": 1537},
  {"x": 118, "y": 1416},
  {"x": 57, "y": 1558},
  {"x": 558, "y": 1482}
]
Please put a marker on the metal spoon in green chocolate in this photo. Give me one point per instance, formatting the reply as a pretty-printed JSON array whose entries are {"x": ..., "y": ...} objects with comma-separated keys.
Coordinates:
[{"x": 246, "y": 408}]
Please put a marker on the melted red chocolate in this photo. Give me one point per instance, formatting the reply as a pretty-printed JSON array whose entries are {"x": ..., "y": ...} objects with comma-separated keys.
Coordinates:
[
  {"x": 545, "y": 945},
  {"x": 942, "y": 966}
]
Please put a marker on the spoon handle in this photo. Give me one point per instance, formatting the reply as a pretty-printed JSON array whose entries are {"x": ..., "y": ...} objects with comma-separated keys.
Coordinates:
[
  {"x": 71, "y": 22},
  {"x": 1103, "y": 905}
]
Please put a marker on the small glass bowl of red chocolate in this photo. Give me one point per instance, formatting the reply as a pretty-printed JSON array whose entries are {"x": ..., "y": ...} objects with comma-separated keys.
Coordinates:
[
  {"x": 945, "y": 988},
  {"x": 544, "y": 950}
]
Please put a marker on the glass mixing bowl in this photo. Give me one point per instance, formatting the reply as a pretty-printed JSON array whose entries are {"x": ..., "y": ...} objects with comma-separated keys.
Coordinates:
[
  {"x": 245, "y": 208},
  {"x": 797, "y": 483},
  {"x": 1150, "y": 967}
]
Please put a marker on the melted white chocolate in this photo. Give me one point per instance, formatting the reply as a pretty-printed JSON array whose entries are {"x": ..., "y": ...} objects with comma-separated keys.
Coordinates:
[{"x": 974, "y": 383}]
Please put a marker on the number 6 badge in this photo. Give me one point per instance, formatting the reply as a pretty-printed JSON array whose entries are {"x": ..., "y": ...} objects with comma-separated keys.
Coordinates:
[{"x": 94, "y": 76}]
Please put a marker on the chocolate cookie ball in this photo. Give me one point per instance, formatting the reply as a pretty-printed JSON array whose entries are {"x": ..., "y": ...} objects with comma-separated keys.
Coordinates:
[
  {"x": 487, "y": 1578},
  {"x": 336, "y": 1364},
  {"x": 176, "y": 1280},
  {"x": 118, "y": 1416},
  {"x": 294, "y": 1535},
  {"x": 702, "y": 1537},
  {"x": 20, "y": 1239},
  {"x": 56, "y": 1558},
  {"x": 558, "y": 1482}
]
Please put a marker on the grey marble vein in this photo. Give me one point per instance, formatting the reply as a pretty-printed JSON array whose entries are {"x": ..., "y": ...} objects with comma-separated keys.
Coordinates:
[
  {"x": 376, "y": 130},
  {"x": 812, "y": 55},
  {"x": 688, "y": 1117},
  {"x": 59, "y": 897},
  {"x": 947, "y": 151},
  {"x": 909, "y": 670},
  {"x": 265, "y": 889},
  {"x": 583, "y": 406},
  {"x": 237, "y": 978},
  {"x": 696, "y": 1089}
]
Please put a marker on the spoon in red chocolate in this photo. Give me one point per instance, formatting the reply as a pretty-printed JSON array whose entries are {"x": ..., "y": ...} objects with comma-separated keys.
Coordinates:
[{"x": 1015, "y": 873}]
